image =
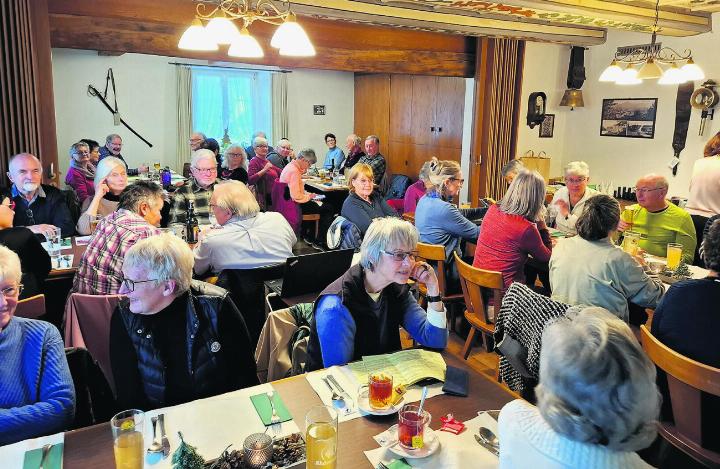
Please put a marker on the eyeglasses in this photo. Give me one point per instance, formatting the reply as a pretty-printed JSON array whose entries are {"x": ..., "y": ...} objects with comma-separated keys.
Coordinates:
[
  {"x": 195, "y": 140},
  {"x": 12, "y": 292},
  {"x": 261, "y": 146},
  {"x": 234, "y": 155},
  {"x": 130, "y": 284},
  {"x": 205, "y": 170},
  {"x": 402, "y": 255},
  {"x": 461, "y": 181},
  {"x": 82, "y": 152},
  {"x": 643, "y": 190},
  {"x": 10, "y": 204},
  {"x": 579, "y": 180}
]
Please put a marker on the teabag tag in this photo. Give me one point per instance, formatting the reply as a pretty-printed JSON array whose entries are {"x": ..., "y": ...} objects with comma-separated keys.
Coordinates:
[
  {"x": 451, "y": 424},
  {"x": 398, "y": 392},
  {"x": 116, "y": 118}
]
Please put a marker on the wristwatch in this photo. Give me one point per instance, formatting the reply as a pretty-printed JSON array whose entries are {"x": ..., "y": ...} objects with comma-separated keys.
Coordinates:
[{"x": 433, "y": 299}]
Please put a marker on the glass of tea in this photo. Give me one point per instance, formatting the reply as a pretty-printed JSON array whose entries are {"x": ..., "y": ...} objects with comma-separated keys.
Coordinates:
[
  {"x": 411, "y": 426},
  {"x": 127, "y": 429},
  {"x": 380, "y": 390}
]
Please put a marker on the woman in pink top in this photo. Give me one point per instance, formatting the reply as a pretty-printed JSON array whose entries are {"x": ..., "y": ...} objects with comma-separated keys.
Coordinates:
[
  {"x": 515, "y": 228},
  {"x": 262, "y": 173},
  {"x": 81, "y": 173},
  {"x": 419, "y": 188},
  {"x": 704, "y": 198}
]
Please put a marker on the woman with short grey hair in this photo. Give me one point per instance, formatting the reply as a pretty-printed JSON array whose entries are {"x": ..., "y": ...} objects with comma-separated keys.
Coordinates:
[
  {"x": 234, "y": 163},
  {"x": 589, "y": 269},
  {"x": 360, "y": 313},
  {"x": 569, "y": 202},
  {"x": 81, "y": 172},
  {"x": 597, "y": 402}
]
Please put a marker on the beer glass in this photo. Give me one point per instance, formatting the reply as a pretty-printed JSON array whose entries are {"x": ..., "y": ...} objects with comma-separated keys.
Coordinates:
[
  {"x": 321, "y": 424},
  {"x": 127, "y": 429}
]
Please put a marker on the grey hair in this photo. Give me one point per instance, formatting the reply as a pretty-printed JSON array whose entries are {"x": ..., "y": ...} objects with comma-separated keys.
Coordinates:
[
  {"x": 600, "y": 217},
  {"x": 24, "y": 155},
  {"x": 597, "y": 386},
  {"x": 659, "y": 180},
  {"x": 525, "y": 196},
  {"x": 578, "y": 168},
  {"x": 439, "y": 172},
  {"x": 75, "y": 148},
  {"x": 200, "y": 134},
  {"x": 257, "y": 141},
  {"x": 139, "y": 192},
  {"x": 10, "y": 268},
  {"x": 308, "y": 154},
  {"x": 373, "y": 137},
  {"x": 512, "y": 167},
  {"x": 202, "y": 154},
  {"x": 236, "y": 197},
  {"x": 166, "y": 257},
  {"x": 284, "y": 139},
  {"x": 355, "y": 138},
  {"x": 105, "y": 167},
  {"x": 111, "y": 137},
  {"x": 711, "y": 247},
  {"x": 237, "y": 147},
  {"x": 257, "y": 134},
  {"x": 425, "y": 170},
  {"x": 385, "y": 233}
]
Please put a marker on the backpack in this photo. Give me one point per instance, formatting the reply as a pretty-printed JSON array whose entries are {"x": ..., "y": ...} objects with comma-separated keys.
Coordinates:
[{"x": 398, "y": 186}]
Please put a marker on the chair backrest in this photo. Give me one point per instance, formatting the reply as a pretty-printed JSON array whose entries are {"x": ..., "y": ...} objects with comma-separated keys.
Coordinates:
[
  {"x": 472, "y": 281},
  {"x": 286, "y": 206},
  {"x": 87, "y": 325},
  {"x": 398, "y": 187},
  {"x": 94, "y": 401},
  {"x": 435, "y": 254},
  {"x": 396, "y": 204},
  {"x": 687, "y": 380},
  {"x": 31, "y": 308},
  {"x": 409, "y": 216},
  {"x": 73, "y": 203}
]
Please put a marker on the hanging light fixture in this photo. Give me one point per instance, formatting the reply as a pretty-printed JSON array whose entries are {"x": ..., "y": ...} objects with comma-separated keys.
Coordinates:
[
  {"x": 290, "y": 38},
  {"x": 649, "y": 57}
]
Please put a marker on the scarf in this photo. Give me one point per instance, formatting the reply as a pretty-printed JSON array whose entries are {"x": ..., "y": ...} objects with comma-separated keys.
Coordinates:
[{"x": 88, "y": 170}]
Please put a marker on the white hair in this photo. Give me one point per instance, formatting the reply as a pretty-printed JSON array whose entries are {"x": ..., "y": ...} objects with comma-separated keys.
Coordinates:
[
  {"x": 525, "y": 196},
  {"x": 236, "y": 197},
  {"x": 165, "y": 257},
  {"x": 202, "y": 154},
  {"x": 105, "y": 167},
  {"x": 577, "y": 168},
  {"x": 9, "y": 265},
  {"x": 386, "y": 233}
]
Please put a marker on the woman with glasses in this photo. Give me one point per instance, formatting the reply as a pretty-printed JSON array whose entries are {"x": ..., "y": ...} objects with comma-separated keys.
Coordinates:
[
  {"x": 81, "y": 173},
  {"x": 569, "y": 202},
  {"x": 34, "y": 260},
  {"x": 233, "y": 164},
  {"x": 110, "y": 180},
  {"x": 363, "y": 204},
  {"x": 360, "y": 313},
  {"x": 262, "y": 174},
  {"x": 37, "y": 396}
]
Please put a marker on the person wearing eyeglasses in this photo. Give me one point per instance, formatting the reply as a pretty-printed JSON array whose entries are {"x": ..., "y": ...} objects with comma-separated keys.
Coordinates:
[
  {"x": 262, "y": 174},
  {"x": 234, "y": 163},
  {"x": 282, "y": 155},
  {"x": 250, "y": 149},
  {"x": 203, "y": 168},
  {"x": 196, "y": 141},
  {"x": 361, "y": 312},
  {"x": 80, "y": 175},
  {"x": 658, "y": 221},
  {"x": 37, "y": 395},
  {"x": 113, "y": 146},
  {"x": 174, "y": 339},
  {"x": 569, "y": 201},
  {"x": 334, "y": 156},
  {"x": 34, "y": 260}
]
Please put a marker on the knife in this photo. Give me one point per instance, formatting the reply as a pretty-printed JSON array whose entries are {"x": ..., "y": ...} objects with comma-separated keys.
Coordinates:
[
  {"x": 334, "y": 382},
  {"x": 487, "y": 446},
  {"x": 165, "y": 442}
]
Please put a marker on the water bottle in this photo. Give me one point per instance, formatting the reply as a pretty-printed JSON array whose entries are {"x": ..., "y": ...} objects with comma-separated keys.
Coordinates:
[{"x": 166, "y": 178}]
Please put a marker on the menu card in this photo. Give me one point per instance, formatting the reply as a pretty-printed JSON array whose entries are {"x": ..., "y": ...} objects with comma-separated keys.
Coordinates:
[{"x": 407, "y": 366}]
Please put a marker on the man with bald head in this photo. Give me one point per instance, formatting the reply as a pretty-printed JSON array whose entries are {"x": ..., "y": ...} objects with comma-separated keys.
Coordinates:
[
  {"x": 39, "y": 207},
  {"x": 658, "y": 221}
]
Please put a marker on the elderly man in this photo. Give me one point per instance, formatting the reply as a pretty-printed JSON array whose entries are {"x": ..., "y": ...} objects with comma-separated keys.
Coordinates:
[
  {"x": 113, "y": 145},
  {"x": 39, "y": 207},
  {"x": 196, "y": 141},
  {"x": 282, "y": 155},
  {"x": 510, "y": 170},
  {"x": 246, "y": 238},
  {"x": 658, "y": 221},
  {"x": 175, "y": 339},
  {"x": 354, "y": 152},
  {"x": 569, "y": 201},
  {"x": 373, "y": 157},
  {"x": 250, "y": 150},
  {"x": 203, "y": 168},
  {"x": 137, "y": 217}
]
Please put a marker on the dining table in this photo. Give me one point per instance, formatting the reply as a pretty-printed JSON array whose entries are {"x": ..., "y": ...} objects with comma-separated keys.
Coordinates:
[{"x": 76, "y": 247}]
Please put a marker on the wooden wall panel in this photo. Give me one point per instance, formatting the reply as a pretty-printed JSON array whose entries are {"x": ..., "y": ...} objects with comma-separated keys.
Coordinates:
[
  {"x": 401, "y": 108},
  {"x": 372, "y": 108},
  {"x": 449, "y": 112},
  {"x": 423, "y": 108}
]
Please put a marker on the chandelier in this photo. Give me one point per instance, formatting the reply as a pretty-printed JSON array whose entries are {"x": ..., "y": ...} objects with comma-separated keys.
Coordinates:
[
  {"x": 643, "y": 63},
  {"x": 289, "y": 38}
]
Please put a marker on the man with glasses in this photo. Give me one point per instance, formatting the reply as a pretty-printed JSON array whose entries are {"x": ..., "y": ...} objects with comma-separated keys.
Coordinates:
[
  {"x": 137, "y": 217},
  {"x": 113, "y": 146},
  {"x": 658, "y": 221},
  {"x": 203, "y": 169},
  {"x": 38, "y": 207},
  {"x": 282, "y": 155},
  {"x": 196, "y": 141},
  {"x": 569, "y": 202}
]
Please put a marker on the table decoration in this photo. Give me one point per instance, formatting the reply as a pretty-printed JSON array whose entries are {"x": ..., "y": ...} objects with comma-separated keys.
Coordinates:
[
  {"x": 288, "y": 452},
  {"x": 186, "y": 456},
  {"x": 257, "y": 450}
]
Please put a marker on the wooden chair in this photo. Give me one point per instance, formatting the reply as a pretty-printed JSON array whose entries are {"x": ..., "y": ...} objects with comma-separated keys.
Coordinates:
[
  {"x": 687, "y": 380},
  {"x": 409, "y": 216},
  {"x": 478, "y": 313},
  {"x": 435, "y": 253},
  {"x": 314, "y": 217},
  {"x": 31, "y": 308}
]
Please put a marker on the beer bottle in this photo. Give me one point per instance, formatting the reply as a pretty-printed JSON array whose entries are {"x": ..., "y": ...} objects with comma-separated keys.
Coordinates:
[{"x": 191, "y": 224}]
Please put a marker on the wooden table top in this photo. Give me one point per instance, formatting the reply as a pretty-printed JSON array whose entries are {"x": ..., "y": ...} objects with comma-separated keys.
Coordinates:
[
  {"x": 318, "y": 184},
  {"x": 92, "y": 446},
  {"x": 77, "y": 252}
]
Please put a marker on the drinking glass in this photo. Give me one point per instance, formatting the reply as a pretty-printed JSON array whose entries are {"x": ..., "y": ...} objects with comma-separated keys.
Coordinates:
[
  {"x": 631, "y": 242},
  {"x": 54, "y": 244},
  {"x": 627, "y": 216},
  {"x": 321, "y": 424},
  {"x": 157, "y": 166},
  {"x": 94, "y": 220},
  {"x": 411, "y": 426},
  {"x": 380, "y": 389},
  {"x": 178, "y": 229},
  {"x": 674, "y": 255},
  {"x": 127, "y": 429}
]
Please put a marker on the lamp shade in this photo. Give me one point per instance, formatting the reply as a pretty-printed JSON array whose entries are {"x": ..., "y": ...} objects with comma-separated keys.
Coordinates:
[
  {"x": 672, "y": 76},
  {"x": 222, "y": 30},
  {"x": 245, "y": 45},
  {"x": 650, "y": 70},
  {"x": 572, "y": 98},
  {"x": 196, "y": 38},
  {"x": 629, "y": 76},
  {"x": 692, "y": 71},
  {"x": 612, "y": 72},
  {"x": 291, "y": 39}
]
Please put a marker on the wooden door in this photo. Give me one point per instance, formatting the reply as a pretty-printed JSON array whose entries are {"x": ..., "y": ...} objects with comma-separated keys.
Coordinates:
[
  {"x": 401, "y": 130},
  {"x": 449, "y": 111},
  {"x": 372, "y": 108},
  {"x": 423, "y": 109}
]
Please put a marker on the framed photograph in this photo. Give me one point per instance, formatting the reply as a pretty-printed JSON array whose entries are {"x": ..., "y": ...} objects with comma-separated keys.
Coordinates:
[
  {"x": 319, "y": 109},
  {"x": 547, "y": 126},
  {"x": 631, "y": 117}
]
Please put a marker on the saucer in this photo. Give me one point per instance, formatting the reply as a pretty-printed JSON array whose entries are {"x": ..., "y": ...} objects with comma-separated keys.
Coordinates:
[
  {"x": 364, "y": 406},
  {"x": 432, "y": 444}
]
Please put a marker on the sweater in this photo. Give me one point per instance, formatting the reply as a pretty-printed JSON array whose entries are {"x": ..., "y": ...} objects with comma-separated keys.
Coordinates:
[
  {"x": 528, "y": 441},
  {"x": 48, "y": 206},
  {"x": 413, "y": 194},
  {"x": 567, "y": 224},
  {"x": 505, "y": 242},
  {"x": 34, "y": 260},
  {"x": 334, "y": 156},
  {"x": 362, "y": 213},
  {"x": 704, "y": 197},
  {"x": 83, "y": 185},
  {"x": 657, "y": 229},
  {"x": 292, "y": 176},
  {"x": 105, "y": 208},
  {"x": 37, "y": 396}
]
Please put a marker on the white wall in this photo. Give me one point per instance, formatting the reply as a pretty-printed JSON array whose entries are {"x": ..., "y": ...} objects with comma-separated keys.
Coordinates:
[{"x": 146, "y": 98}]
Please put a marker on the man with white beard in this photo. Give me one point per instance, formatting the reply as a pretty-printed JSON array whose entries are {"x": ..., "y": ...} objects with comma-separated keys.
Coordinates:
[{"x": 39, "y": 207}]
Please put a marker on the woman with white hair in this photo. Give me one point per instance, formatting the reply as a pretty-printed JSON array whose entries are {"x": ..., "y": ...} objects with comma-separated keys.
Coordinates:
[
  {"x": 418, "y": 189},
  {"x": 110, "y": 180},
  {"x": 174, "y": 339},
  {"x": 360, "y": 313},
  {"x": 37, "y": 396},
  {"x": 597, "y": 402},
  {"x": 233, "y": 164},
  {"x": 515, "y": 228},
  {"x": 262, "y": 173},
  {"x": 569, "y": 201}
]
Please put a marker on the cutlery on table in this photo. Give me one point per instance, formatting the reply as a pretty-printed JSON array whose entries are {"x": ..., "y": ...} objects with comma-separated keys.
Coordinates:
[
  {"x": 165, "y": 442},
  {"x": 337, "y": 399},
  {"x": 275, "y": 419},
  {"x": 156, "y": 446},
  {"x": 45, "y": 451},
  {"x": 487, "y": 446},
  {"x": 489, "y": 437},
  {"x": 334, "y": 382}
]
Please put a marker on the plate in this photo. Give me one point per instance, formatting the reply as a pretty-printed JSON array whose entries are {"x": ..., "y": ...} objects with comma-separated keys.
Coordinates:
[
  {"x": 364, "y": 405},
  {"x": 432, "y": 444}
]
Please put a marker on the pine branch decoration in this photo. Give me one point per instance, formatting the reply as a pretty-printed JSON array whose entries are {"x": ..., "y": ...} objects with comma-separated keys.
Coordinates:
[
  {"x": 186, "y": 456},
  {"x": 682, "y": 271}
]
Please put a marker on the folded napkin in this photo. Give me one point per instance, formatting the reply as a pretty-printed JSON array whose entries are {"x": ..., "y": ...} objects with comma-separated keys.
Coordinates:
[
  {"x": 264, "y": 409},
  {"x": 53, "y": 461}
]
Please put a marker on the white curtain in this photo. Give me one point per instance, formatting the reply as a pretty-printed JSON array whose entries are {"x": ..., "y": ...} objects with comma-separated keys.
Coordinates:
[
  {"x": 280, "y": 105},
  {"x": 184, "y": 115}
]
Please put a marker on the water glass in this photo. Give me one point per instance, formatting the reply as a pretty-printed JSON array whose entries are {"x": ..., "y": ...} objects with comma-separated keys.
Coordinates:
[
  {"x": 178, "y": 229},
  {"x": 674, "y": 255},
  {"x": 631, "y": 242},
  {"x": 411, "y": 426},
  {"x": 94, "y": 220},
  {"x": 54, "y": 243},
  {"x": 321, "y": 425},
  {"x": 127, "y": 430}
]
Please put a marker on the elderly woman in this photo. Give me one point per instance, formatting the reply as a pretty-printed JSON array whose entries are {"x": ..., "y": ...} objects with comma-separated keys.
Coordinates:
[
  {"x": 94, "y": 148},
  {"x": 34, "y": 260},
  {"x": 704, "y": 198},
  {"x": 175, "y": 339},
  {"x": 511, "y": 169},
  {"x": 418, "y": 189},
  {"x": 360, "y": 313},
  {"x": 262, "y": 173},
  {"x": 597, "y": 402},
  {"x": 569, "y": 201},
  {"x": 233, "y": 164},
  {"x": 363, "y": 204},
  {"x": 589, "y": 269},
  {"x": 110, "y": 180},
  {"x": 37, "y": 396},
  {"x": 81, "y": 172},
  {"x": 514, "y": 229},
  {"x": 353, "y": 145}
]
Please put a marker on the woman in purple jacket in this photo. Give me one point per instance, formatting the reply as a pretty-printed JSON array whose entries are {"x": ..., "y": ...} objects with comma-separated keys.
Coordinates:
[{"x": 81, "y": 173}]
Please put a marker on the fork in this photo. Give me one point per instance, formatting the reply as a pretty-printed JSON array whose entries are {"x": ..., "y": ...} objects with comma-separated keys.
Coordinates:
[{"x": 275, "y": 419}]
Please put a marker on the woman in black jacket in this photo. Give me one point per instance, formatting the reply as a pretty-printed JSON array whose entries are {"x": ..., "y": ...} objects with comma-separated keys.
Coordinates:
[{"x": 364, "y": 204}]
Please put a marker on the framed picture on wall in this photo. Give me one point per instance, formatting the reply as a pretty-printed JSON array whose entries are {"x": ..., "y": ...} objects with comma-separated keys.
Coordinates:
[
  {"x": 630, "y": 117},
  {"x": 547, "y": 126}
]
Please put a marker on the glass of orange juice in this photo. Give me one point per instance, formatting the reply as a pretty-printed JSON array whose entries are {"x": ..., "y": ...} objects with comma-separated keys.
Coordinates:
[
  {"x": 321, "y": 425},
  {"x": 127, "y": 428},
  {"x": 674, "y": 255}
]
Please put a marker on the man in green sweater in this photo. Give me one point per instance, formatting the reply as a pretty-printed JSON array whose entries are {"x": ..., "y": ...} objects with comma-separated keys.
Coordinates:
[{"x": 658, "y": 221}]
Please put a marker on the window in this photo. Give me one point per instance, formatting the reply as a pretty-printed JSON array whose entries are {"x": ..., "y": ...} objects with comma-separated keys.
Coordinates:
[{"x": 237, "y": 100}]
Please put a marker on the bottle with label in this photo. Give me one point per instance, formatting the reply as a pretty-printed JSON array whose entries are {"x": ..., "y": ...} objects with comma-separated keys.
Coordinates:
[
  {"x": 192, "y": 228},
  {"x": 332, "y": 168}
]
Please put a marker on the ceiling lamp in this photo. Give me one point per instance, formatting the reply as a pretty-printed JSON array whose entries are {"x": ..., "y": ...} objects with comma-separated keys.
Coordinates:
[
  {"x": 649, "y": 57},
  {"x": 289, "y": 38}
]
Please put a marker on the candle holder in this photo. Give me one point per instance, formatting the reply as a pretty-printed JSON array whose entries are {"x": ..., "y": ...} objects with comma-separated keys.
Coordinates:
[{"x": 257, "y": 450}]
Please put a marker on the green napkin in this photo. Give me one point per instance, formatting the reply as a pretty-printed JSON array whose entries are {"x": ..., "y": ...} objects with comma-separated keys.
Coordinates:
[
  {"x": 264, "y": 410},
  {"x": 398, "y": 464},
  {"x": 53, "y": 461}
]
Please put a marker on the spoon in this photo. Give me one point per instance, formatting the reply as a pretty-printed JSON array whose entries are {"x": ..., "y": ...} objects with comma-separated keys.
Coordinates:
[
  {"x": 489, "y": 437},
  {"x": 422, "y": 400},
  {"x": 156, "y": 446},
  {"x": 337, "y": 399}
]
